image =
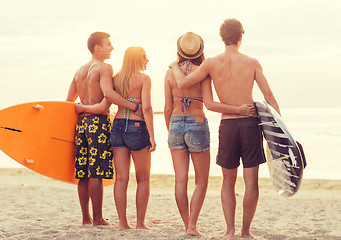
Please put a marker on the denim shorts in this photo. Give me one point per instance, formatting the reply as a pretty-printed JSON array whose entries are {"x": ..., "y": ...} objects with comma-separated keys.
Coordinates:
[
  {"x": 188, "y": 133},
  {"x": 134, "y": 136}
]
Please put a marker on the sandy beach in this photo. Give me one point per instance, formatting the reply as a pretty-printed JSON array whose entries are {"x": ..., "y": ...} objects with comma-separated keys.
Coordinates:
[{"x": 37, "y": 207}]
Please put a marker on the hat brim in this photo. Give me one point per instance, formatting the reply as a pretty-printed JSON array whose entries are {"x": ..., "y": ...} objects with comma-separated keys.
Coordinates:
[{"x": 191, "y": 56}]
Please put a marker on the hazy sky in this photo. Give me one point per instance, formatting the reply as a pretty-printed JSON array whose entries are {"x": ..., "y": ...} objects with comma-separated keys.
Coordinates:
[{"x": 42, "y": 43}]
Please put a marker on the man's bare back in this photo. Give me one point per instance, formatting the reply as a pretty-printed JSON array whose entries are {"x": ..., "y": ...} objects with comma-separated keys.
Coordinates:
[
  {"x": 233, "y": 77},
  {"x": 87, "y": 80}
]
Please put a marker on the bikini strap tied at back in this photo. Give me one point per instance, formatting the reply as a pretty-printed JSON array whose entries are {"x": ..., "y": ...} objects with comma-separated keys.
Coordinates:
[
  {"x": 126, "y": 114},
  {"x": 186, "y": 101}
]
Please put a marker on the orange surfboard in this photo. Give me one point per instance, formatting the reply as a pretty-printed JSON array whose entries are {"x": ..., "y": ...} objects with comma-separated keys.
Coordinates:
[{"x": 40, "y": 136}]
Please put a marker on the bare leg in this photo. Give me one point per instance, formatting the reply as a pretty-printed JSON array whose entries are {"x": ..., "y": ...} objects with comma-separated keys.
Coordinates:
[
  {"x": 181, "y": 166},
  {"x": 84, "y": 198},
  {"x": 122, "y": 167},
  {"x": 250, "y": 199},
  {"x": 228, "y": 200},
  {"x": 142, "y": 169},
  {"x": 96, "y": 196},
  {"x": 201, "y": 162}
]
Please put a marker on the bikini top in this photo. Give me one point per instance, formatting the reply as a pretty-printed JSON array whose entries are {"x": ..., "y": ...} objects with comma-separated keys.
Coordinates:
[
  {"x": 126, "y": 113},
  {"x": 186, "y": 101}
]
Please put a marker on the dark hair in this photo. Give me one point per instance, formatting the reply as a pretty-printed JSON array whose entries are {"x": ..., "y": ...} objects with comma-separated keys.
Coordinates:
[
  {"x": 96, "y": 38},
  {"x": 196, "y": 61},
  {"x": 230, "y": 31}
]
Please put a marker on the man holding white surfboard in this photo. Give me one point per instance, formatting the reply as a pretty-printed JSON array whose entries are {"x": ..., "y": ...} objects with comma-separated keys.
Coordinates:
[
  {"x": 233, "y": 75},
  {"x": 92, "y": 83}
]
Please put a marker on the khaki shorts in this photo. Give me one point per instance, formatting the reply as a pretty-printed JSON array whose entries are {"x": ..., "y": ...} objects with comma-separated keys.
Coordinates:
[{"x": 240, "y": 138}]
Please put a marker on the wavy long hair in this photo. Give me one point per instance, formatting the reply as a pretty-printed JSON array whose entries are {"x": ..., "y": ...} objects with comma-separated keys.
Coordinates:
[{"x": 131, "y": 66}]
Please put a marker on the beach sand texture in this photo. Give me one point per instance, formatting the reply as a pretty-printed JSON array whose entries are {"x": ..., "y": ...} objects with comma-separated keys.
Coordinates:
[{"x": 36, "y": 207}]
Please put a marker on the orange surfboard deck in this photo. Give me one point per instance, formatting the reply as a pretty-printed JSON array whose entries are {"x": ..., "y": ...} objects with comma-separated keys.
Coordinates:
[{"x": 40, "y": 136}]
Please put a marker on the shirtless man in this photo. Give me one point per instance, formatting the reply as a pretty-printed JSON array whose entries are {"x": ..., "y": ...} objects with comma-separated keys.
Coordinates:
[
  {"x": 233, "y": 75},
  {"x": 92, "y": 83}
]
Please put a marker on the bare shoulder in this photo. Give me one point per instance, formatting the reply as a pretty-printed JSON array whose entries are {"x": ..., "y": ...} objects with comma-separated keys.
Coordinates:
[
  {"x": 169, "y": 75},
  {"x": 105, "y": 67},
  {"x": 145, "y": 78},
  {"x": 250, "y": 60}
]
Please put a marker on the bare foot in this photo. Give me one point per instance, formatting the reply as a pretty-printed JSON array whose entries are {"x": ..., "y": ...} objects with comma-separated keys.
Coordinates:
[
  {"x": 246, "y": 235},
  {"x": 101, "y": 223},
  {"x": 192, "y": 231},
  {"x": 123, "y": 226},
  {"x": 143, "y": 226},
  {"x": 87, "y": 221},
  {"x": 229, "y": 234}
]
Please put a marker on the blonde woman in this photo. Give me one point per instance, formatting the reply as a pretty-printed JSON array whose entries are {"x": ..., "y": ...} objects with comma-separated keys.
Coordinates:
[
  {"x": 131, "y": 135},
  {"x": 189, "y": 135}
]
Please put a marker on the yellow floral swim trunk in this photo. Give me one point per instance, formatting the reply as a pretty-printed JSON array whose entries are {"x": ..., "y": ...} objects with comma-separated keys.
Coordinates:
[{"x": 93, "y": 157}]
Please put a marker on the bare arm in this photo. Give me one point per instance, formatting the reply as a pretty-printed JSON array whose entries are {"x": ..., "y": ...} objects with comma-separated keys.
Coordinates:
[
  {"x": 192, "y": 78},
  {"x": 108, "y": 89},
  {"x": 72, "y": 94},
  {"x": 168, "y": 109},
  {"x": 265, "y": 87},
  {"x": 99, "y": 108},
  {"x": 210, "y": 104},
  {"x": 148, "y": 110}
]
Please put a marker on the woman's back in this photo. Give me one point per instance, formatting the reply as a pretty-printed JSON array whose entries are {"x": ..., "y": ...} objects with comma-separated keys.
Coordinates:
[
  {"x": 182, "y": 96},
  {"x": 134, "y": 95}
]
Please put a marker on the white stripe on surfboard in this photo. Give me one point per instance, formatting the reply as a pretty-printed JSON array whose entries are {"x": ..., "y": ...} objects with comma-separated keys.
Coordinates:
[
  {"x": 292, "y": 157},
  {"x": 280, "y": 135},
  {"x": 284, "y": 190},
  {"x": 285, "y": 162},
  {"x": 279, "y": 154},
  {"x": 265, "y": 114},
  {"x": 284, "y": 171},
  {"x": 282, "y": 187},
  {"x": 285, "y": 180},
  {"x": 271, "y": 124},
  {"x": 280, "y": 145}
]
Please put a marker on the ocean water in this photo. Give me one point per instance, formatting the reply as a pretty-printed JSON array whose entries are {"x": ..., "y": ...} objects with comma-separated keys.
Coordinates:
[{"x": 317, "y": 129}]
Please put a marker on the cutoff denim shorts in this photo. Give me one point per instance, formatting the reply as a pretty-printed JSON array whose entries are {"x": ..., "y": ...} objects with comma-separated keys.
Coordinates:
[
  {"x": 188, "y": 133},
  {"x": 134, "y": 136}
]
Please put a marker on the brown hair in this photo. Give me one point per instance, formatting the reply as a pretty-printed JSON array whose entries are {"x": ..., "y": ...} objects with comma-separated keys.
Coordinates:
[
  {"x": 96, "y": 38},
  {"x": 196, "y": 61},
  {"x": 230, "y": 31}
]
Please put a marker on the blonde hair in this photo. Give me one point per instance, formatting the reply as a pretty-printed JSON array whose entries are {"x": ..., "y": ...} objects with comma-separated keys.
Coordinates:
[{"x": 132, "y": 65}]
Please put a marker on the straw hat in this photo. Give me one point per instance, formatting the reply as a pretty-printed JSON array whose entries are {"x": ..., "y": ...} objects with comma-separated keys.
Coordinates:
[{"x": 190, "y": 45}]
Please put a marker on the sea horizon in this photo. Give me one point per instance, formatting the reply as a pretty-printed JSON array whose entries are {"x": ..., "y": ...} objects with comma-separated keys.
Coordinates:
[{"x": 317, "y": 129}]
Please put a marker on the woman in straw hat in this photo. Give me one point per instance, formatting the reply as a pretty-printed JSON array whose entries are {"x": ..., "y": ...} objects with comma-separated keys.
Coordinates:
[
  {"x": 132, "y": 135},
  {"x": 189, "y": 135}
]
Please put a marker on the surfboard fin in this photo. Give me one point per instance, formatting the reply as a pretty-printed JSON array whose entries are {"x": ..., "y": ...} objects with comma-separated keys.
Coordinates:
[{"x": 39, "y": 107}]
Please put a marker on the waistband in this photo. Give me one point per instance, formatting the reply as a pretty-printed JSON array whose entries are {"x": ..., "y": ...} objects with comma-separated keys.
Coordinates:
[
  {"x": 189, "y": 119},
  {"x": 82, "y": 115},
  {"x": 247, "y": 121},
  {"x": 118, "y": 120}
]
